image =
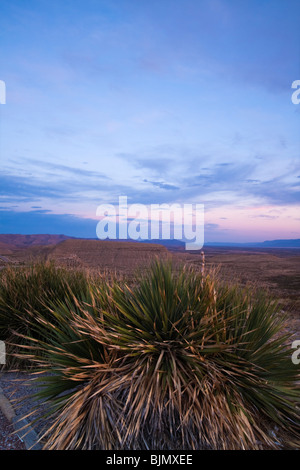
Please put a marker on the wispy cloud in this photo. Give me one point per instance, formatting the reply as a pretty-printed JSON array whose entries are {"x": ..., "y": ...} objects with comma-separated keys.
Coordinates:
[
  {"x": 161, "y": 185},
  {"x": 64, "y": 169}
]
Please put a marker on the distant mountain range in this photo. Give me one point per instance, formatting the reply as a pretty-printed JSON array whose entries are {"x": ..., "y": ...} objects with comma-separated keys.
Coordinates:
[
  {"x": 23, "y": 241},
  {"x": 292, "y": 243},
  {"x": 19, "y": 241},
  {"x": 178, "y": 244}
]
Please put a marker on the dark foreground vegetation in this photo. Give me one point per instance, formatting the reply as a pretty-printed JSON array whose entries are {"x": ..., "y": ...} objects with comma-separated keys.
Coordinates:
[{"x": 173, "y": 360}]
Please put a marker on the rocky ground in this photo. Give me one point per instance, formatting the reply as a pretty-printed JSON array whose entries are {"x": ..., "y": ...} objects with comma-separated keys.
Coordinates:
[{"x": 9, "y": 440}]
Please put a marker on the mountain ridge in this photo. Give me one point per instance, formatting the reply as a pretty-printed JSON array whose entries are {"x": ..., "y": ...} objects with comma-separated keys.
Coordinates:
[{"x": 23, "y": 241}]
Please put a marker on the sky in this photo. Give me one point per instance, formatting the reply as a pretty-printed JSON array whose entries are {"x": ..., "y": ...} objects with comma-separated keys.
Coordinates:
[{"x": 161, "y": 101}]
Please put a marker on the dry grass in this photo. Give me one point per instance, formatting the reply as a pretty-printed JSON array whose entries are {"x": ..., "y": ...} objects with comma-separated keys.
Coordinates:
[{"x": 275, "y": 270}]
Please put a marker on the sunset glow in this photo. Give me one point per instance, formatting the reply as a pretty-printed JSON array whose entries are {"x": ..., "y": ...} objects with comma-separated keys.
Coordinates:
[{"x": 161, "y": 102}]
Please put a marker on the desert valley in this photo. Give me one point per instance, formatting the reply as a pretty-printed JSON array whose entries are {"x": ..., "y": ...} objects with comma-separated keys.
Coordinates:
[{"x": 274, "y": 269}]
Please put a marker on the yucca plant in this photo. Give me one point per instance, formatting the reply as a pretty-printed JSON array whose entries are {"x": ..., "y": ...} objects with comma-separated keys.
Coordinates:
[
  {"x": 27, "y": 292},
  {"x": 178, "y": 361}
]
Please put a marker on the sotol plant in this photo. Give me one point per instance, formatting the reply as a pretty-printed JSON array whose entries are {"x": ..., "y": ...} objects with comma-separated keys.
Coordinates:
[
  {"x": 26, "y": 293},
  {"x": 178, "y": 361}
]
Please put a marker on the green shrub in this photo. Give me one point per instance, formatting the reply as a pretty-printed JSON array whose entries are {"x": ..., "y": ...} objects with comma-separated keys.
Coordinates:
[
  {"x": 177, "y": 361},
  {"x": 26, "y": 293}
]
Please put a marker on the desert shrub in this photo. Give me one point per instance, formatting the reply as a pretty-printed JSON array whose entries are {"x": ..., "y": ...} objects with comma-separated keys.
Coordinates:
[
  {"x": 27, "y": 292},
  {"x": 177, "y": 361}
]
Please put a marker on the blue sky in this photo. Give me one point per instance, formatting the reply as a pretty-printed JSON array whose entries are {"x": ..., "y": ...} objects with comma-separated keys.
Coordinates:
[{"x": 185, "y": 101}]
